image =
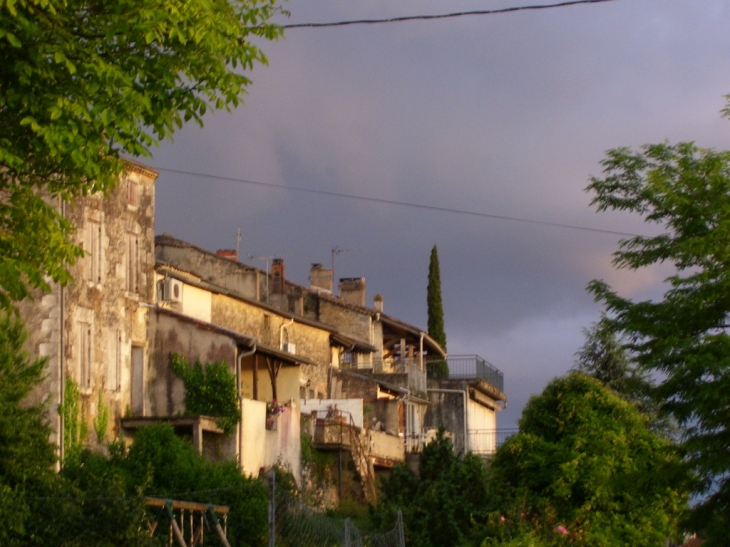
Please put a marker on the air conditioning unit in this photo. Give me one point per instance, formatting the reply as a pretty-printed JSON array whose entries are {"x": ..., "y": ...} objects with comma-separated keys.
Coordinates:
[
  {"x": 290, "y": 348},
  {"x": 170, "y": 290}
]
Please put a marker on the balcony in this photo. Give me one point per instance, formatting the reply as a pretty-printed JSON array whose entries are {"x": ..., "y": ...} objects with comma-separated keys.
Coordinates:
[
  {"x": 469, "y": 367},
  {"x": 403, "y": 373}
]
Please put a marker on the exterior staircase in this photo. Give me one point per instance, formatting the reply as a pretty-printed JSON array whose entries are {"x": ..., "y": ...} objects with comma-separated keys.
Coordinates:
[{"x": 363, "y": 464}]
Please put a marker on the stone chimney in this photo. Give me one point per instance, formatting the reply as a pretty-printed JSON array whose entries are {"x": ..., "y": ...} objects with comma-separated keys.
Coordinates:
[
  {"x": 352, "y": 290},
  {"x": 230, "y": 254},
  {"x": 378, "y": 303},
  {"x": 320, "y": 278},
  {"x": 277, "y": 276}
]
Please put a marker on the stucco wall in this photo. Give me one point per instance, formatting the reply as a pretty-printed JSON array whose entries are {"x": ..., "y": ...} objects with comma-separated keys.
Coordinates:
[
  {"x": 480, "y": 417},
  {"x": 197, "y": 303},
  {"x": 164, "y": 390},
  {"x": 262, "y": 448},
  {"x": 447, "y": 409},
  {"x": 384, "y": 445}
]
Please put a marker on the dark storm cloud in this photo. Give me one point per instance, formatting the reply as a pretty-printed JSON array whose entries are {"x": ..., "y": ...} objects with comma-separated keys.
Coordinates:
[{"x": 507, "y": 115}]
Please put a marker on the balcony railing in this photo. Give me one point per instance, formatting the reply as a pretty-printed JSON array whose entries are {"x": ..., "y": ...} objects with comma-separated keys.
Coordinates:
[
  {"x": 468, "y": 367},
  {"x": 416, "y": 378},
  {"x": 486, "y": 441}
]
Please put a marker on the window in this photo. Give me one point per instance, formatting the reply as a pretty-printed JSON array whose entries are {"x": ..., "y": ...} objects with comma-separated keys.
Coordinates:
[
  {"x": 84, "y": 354},
  {"x": 137, "y": 380},
  {"x": 114, "y": 371},
  {"x": 132, "y": 193},
  {"x": 92, "y": 246},
  {"x": 132, "y": 266}
]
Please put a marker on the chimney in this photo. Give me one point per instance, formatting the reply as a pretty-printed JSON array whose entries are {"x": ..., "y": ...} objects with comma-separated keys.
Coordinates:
[
  {"x": 352, "y": 290},
  {"x": 230, "y": 254},
  {"x": 378, "y": 303},
  {"x": 277, "y": 276},
  {"x": 320, "y": 278}
]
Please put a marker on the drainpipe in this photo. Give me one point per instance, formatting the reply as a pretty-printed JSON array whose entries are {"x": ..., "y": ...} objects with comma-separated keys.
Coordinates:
[
  {"x": 240, "y": 395},
  {"x": 61, "y": 367},
  {"x": 281, "y": 332},
  {"x": 372, "y": 336},
  {"x": 420, "y": 352},
  {"x": 463, "y": 394}
]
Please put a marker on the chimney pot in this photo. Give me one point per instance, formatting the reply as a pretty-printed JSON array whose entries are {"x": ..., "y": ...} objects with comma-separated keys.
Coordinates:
[
  {"x": 352, "y": 290},
  {"x": 277, "y": 276},
  {"x": 230, "y": 254},
  {"x": 320, "y": 278}
]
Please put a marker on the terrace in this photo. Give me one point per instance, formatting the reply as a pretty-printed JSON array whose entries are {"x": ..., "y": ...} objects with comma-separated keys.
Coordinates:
[{"x": 470, "y": 367}]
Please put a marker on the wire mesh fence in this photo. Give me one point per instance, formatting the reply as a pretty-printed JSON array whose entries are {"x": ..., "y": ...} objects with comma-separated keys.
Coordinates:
[{"x": 293, "y": 524}]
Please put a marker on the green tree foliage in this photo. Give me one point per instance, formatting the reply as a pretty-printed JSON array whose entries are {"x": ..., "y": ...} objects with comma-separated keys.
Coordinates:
[
  {"x": 439, "y": 368},
  {"x": 37, "y": 506},
  {"x": 584, "y": 460},
  {"x": 605, "y": 358},
  {"x": 209, "y": 390},
  {"x": 161, "y": 464},
  {"x": 443, "y": 504},
  {"x": 26, "y": 455},
  {"x": 684, "y": 191},
  {"x": 82, "y": 83}
]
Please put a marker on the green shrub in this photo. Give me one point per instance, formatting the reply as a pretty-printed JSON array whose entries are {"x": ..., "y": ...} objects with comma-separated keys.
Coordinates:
[{"x": 209, "y": 390}]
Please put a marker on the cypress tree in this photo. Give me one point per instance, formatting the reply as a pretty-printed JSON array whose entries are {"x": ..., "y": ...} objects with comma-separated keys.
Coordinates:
[{"x": 436, "y": 330}]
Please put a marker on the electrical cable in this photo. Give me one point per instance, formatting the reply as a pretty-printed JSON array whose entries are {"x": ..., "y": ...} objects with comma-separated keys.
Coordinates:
[
  {"x": 443, "y": 15},
  {"x": 394, "y": 202}
]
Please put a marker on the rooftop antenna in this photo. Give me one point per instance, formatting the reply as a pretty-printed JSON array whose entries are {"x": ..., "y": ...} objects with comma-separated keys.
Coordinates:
[
  {"x": 268, "y": 259},
  {"x": 336, "y": 251},
  {"x": 238, "y": 243}
]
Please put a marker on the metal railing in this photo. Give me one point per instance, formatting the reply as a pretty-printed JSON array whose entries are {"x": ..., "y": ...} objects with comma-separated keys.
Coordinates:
[
  {"x": 467, "y": 367},
  {"x": 486, "y": 441},
  {"x": 416, "y": 378}
]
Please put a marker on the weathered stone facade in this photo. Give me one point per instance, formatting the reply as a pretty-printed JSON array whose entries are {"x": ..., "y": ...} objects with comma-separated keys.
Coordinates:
[
  {"x": 138, "y": 298},
  {"x": 94, "y": 329}
]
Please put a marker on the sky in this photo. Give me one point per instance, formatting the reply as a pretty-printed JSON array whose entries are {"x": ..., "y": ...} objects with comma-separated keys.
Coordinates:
[{"x": 505, "y": 115}]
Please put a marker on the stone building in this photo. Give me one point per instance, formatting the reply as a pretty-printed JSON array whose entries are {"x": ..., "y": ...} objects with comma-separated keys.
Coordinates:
[
  {"x": 352, "y": 375},
  {"x": 94, "y": 330}
]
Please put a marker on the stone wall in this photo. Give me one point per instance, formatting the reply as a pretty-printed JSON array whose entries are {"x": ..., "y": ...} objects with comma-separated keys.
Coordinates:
[{"x": 89, "y": 328}]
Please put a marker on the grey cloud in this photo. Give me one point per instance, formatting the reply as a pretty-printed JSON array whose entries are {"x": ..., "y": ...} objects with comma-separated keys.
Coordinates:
[{"x": 507, "y": 115}]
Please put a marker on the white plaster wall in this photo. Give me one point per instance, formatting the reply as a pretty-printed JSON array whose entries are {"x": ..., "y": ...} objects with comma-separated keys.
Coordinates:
[
  {"x": 197, "y": 303},
  {"x": 253, "y": 439},
  {"x": 480, "y": 417},
  {"x": 261, "y": 448},
  {"x": 482, "y": 428}
]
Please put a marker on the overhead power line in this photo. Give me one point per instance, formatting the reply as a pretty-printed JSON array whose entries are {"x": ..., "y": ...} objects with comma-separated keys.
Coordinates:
[
  {"x": 393, "y": 202},
  {"x": 443, "y": 15}
]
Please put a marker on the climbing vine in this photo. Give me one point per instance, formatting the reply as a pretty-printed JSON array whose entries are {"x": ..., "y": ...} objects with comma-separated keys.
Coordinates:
[
  {"x": 74, "y": 427},
  {"x": 317, "y": 462},
  {"x": 101, "y": 422},
  {"x": 210, "y": 390}
]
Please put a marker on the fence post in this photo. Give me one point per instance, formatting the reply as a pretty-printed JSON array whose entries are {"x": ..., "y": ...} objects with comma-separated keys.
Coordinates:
[
  {"x": 272, "y": 509},
  {"x": 347, "y": 533}
]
